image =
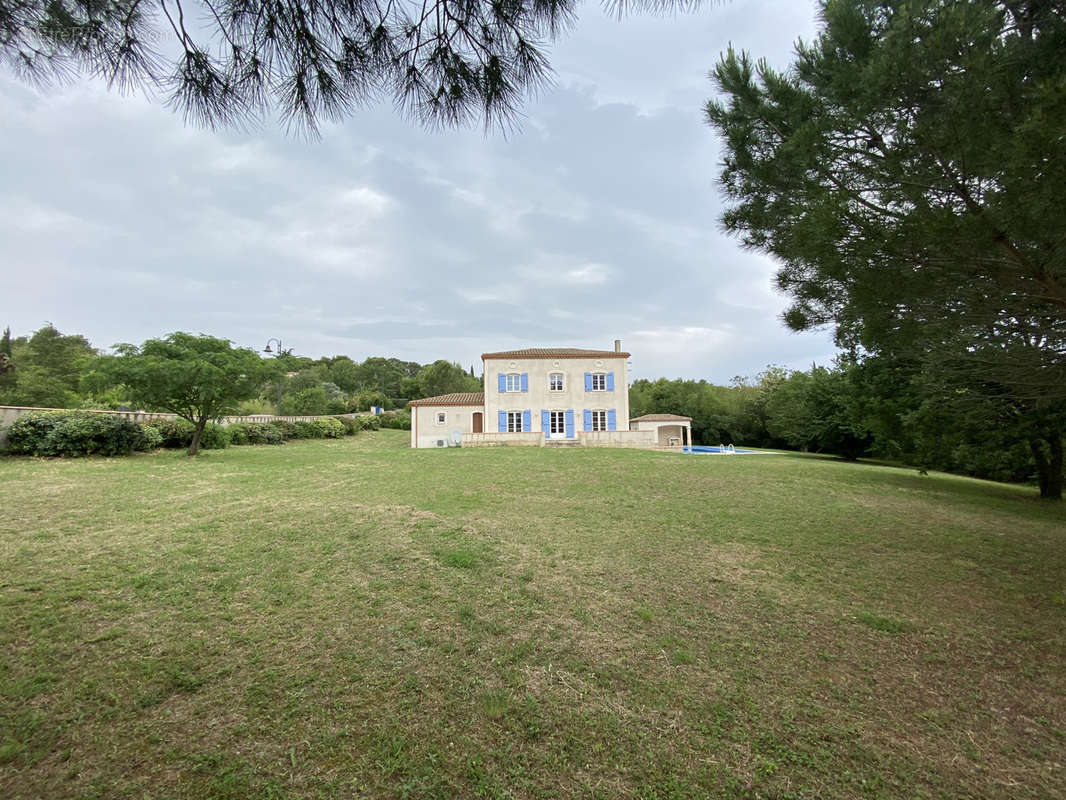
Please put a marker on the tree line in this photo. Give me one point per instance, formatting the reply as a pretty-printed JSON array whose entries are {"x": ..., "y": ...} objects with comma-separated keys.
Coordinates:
[
  {"x": 898, "y": 410},
  {"x": 50, "y": 369}
]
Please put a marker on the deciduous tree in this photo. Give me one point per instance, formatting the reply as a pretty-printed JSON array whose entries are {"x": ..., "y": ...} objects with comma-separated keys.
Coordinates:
[{"x": 199, "y": 378}]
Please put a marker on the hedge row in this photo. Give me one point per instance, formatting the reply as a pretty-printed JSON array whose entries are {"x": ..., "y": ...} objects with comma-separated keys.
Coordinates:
[{"x": 83, "y": 433}]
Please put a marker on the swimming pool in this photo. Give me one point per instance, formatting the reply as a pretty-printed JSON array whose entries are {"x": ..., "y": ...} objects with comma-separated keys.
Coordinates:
[{"x": 700, "y": 448}]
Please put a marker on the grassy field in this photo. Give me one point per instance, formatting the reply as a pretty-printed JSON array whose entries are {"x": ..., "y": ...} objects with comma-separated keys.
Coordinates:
[{"x": 355, "y": 619}]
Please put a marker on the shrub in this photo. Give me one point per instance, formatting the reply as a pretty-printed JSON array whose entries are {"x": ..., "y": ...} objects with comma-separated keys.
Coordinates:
[
  {"x": 323, "y": 428},
  {"x": 371, "y": 423},
  {"x": 215, "y": 437},
  {"x": 152, "y": 437},
  {"x": 399, "y": 420},
  {"x": 75, "y": 433},
  {"x": 288, "y": 430},
  {"x": 351, "y": 425},
  {"x": 177, "y": 433},
  {"x": 28, "y": 433},
  {"x": 174, "y": 432},
  {"x": 254, "y": 433}
]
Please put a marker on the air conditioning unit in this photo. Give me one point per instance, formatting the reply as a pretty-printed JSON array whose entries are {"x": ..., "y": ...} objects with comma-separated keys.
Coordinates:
[{"x": 442, "y": 442}]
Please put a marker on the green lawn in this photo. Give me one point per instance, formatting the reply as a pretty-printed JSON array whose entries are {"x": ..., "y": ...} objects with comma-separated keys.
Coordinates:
[{"x": 356, "y": 619}]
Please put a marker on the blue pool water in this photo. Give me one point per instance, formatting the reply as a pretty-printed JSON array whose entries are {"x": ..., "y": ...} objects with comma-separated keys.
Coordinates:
[{"x": 699, "y": 448}]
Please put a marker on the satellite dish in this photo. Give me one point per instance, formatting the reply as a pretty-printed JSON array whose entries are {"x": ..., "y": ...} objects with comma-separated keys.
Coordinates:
[{"x": 457, "y": 437}]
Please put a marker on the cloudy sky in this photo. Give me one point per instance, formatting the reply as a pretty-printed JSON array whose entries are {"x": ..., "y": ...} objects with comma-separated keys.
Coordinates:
[{"x": 597, "y": 220}]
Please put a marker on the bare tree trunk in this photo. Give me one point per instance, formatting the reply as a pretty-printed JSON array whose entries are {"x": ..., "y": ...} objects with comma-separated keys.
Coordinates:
[
  {"x": 197, "y": 434},
  {"x": 1048, "y": 455}
]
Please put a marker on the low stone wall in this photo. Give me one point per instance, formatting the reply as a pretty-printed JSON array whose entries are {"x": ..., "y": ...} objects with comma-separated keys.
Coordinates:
[
  {"x": 9, "y": 414},
  {"x": 534, "y": 439},
  {"x": 644, "y": 440},
  {"x": 641, "y": 439}
]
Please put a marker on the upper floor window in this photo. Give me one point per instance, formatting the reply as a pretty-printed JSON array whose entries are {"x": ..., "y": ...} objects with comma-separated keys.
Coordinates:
[
  {"x": 441, "y": 418},
  {"x": 513, "y": 382},
  {"x": 555, "y": 382},
  {"x": 599, "y": 381}
]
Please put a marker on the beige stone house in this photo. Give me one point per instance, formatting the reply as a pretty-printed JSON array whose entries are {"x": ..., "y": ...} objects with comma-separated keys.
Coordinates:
[{"x": 542, "y": 396}]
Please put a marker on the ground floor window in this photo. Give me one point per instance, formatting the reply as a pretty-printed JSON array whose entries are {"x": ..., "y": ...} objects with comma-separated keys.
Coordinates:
[
  {"x": 514, "y": 421},
  {"x": 599, "y": 420}
]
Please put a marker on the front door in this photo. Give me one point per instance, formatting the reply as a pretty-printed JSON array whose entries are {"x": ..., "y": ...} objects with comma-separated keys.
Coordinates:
[
  {"x": 557, "y": 421},
  {"x": 477, "y": 422}
]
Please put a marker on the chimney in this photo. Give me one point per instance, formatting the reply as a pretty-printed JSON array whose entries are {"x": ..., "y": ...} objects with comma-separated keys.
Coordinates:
[{"x": 618, "y": 345}]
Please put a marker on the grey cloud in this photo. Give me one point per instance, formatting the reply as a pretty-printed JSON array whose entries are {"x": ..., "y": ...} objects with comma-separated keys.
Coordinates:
[{"x": 598, "y": 220}]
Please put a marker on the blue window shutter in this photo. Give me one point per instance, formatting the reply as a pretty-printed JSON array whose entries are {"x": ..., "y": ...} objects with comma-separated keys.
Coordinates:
[
  {"x": 527, "y": 421},
  {"x": 612, "y": 420},
  {"x": 570, "y": 423},
  {"x": 525, "y": 381},
  {"x": 610, "y": 381},
  {"x": 545, "y": 423},
  {"x": 503, "y": 422},
  {"x": 503, "y": 383},
  {"x": 588, "y": 381},
  {"x": 588, "y": 419}
]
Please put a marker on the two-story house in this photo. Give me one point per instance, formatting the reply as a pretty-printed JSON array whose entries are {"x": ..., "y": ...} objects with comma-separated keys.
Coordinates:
[{"x": 532, "y": 396}]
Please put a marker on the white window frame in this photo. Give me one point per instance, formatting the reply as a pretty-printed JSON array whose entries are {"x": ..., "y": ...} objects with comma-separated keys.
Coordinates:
[
  {"x": 442, "y": 418},
  {"x": 513, "y": 382},
  {"x": 514, "y": 421},
  {"x": 599, "y": 420},
  {"x": 599, "y": 378},
  {"x": 551, "y": 382},
  {"x": 557, "y": 422}
]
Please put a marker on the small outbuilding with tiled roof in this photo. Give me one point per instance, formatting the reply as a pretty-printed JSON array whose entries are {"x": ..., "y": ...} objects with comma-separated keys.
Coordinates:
[
  {"x": 670, "y": 429},
  {"x": 443, "y": 420}
]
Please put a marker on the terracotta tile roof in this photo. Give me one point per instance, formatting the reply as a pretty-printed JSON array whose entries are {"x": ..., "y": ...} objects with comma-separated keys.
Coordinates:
[
  {"x": 458, "y": 399},
  {"x": 556, "y": 352},
  {"x": 661, "y": 418}
]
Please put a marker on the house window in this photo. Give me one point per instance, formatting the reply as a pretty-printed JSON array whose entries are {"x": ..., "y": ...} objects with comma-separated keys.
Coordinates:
[
  {"x": 557, "y": 423},
  {"x": 514, "y": 382},
  {"x": 599, "y": 381},
  {"x": 442, "y": 418},
  {"x": 555, "y": 382},
  {"x": 514, "y": 421},
  {"x": 599, "y": 420}
]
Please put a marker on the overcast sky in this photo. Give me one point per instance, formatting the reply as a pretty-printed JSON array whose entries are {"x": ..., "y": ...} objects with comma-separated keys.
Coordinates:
[{"x": 597, "y": 220}]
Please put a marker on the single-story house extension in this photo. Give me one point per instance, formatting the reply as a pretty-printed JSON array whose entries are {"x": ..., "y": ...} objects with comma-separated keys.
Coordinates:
[{"x": 541, "y": 396}]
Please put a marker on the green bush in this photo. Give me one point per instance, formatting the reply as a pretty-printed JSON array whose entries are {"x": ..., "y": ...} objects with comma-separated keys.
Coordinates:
[
  {"x": 242, "y": 433},
  {"x": 371, "y": 422},
  {"x": 152, "y": 437},
  {"x": 75, "y": 433},
  {"x": 214, "y": 437},
  {"x": 27, "y": 433},
  {"x": 398, "y": 420},
  {"x": 351, "y": 425},
  {"x": 174, "y": 432},
  {"x": 177, "y": 433},
  {"x": 288, "y": 430},
  {"x": 323, "y": 428}
]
